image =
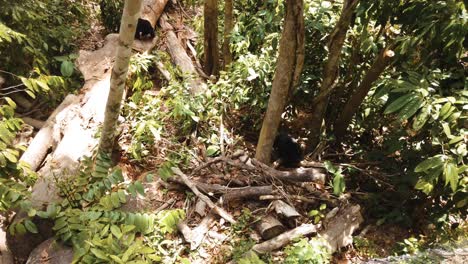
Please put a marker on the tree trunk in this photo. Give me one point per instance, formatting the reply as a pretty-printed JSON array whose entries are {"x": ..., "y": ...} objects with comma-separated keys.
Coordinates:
[
  {"x": 351, "y": 107},
  {"x": 330, "y": 71},
  {"x": 211, "y": 37},
  {"x": 130, "y": 17},
  {"x": 287, "y": 73},
  {"x": 228, "y": 25}
]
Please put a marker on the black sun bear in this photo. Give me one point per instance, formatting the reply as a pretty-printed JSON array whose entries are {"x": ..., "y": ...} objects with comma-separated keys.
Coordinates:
[
  {"x": 287, "y": 151},
  {"x": 144, "y": 30}
]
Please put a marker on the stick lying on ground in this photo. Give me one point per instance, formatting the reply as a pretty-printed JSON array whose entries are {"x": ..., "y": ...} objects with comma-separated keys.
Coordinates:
[{"x": 218, "y": 210}]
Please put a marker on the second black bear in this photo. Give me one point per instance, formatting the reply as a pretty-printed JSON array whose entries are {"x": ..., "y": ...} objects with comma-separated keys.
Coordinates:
[
  {"x": 287, "y": 150},
  {"x": 144, "y": 30}
]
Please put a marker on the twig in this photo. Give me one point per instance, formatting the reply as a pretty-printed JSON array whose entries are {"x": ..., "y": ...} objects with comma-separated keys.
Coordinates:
[{"x": 165, "y": 205}]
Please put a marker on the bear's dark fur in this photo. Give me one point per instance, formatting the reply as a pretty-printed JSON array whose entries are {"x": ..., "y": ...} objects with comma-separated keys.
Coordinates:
[
  {"x": 144, "y": 30},
  {"x": 287, "y": 151}
]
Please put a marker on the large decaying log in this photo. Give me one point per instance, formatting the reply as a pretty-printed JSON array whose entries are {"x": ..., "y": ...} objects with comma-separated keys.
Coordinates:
[
  {"x": 83, "y": 119},
  {"x": 79, "y": 122},
  {"x": 339, "y": 229},
  {"x": 152, "y": 10},
  {"x": 180, "y": 57},
  {"x": 46, "y": 138}
]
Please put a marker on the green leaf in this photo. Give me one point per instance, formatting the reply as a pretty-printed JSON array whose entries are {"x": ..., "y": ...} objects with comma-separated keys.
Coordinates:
[
  {"x": 451, "y": 175},
  {"x": 66, "y": 68},
  {"x": 20, "y": 229},
  {"x": 212, "y": 150},
  {"x": 330, "y": 167},
  {"x": 60, "y": 223},
  {"x": 424, "y": 186},
  {"x": 410, "y": 109},
  {"x": 115, "y": 200},
  {"x": 99, "y": 254},
  {"x": 428, "y": 164},
  {"x": 12, "y": 158},
  {"x": 456, "y": 140},
  {"x": 421, "y": 119},
  {"x": 338, "y": 184},
  {"x": 399, "y": 103},
  {"x": 313, "y": 213},
  {"x": 116, "y": 231},
  {"x": 446, "y": 128},
  {"x": 30, "y": 226},
  {"x": 116, "y": 259},
  {"x": 105, "y": 230},
  {"x": 122, "y": 197},
  {"x": 139, "y": 188}
]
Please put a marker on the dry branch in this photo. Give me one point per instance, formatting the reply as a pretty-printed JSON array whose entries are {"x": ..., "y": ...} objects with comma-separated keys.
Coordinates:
[
  {"x": 297, "y": 175},
  {"x": 218, "y": 210},
  {"x": 285, "y": 238}
]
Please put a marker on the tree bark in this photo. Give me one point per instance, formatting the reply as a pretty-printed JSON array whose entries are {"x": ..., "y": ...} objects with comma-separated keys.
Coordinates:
[
  {"x": 330, "y": 71},
  {"x": 228, "y": 25},
  {"x": 130, "y": 17},
  {"x": 378, "y": 66},
  {"x": 211, "y": 37},
  {"x": 287, "y": 74}
]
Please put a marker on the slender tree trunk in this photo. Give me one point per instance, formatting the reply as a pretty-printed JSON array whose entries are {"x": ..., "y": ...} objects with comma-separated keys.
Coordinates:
[
  {"x": 330, "y": 71},
  {"x": 351, "y": 107},
  {"x": 211, "y": 37},
  {"x": 287, "y": 74},
  {"x": 130, "y": 17},
  {"x": 228, "y": 25}
]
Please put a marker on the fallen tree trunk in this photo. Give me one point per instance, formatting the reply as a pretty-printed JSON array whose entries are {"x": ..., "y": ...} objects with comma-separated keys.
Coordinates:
[
  {"x": 46, "y": 138},
  {"x": 152, "y": 10},
  {"x": 339, "y": 229},
  {"x": 181, "y": 58}
]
